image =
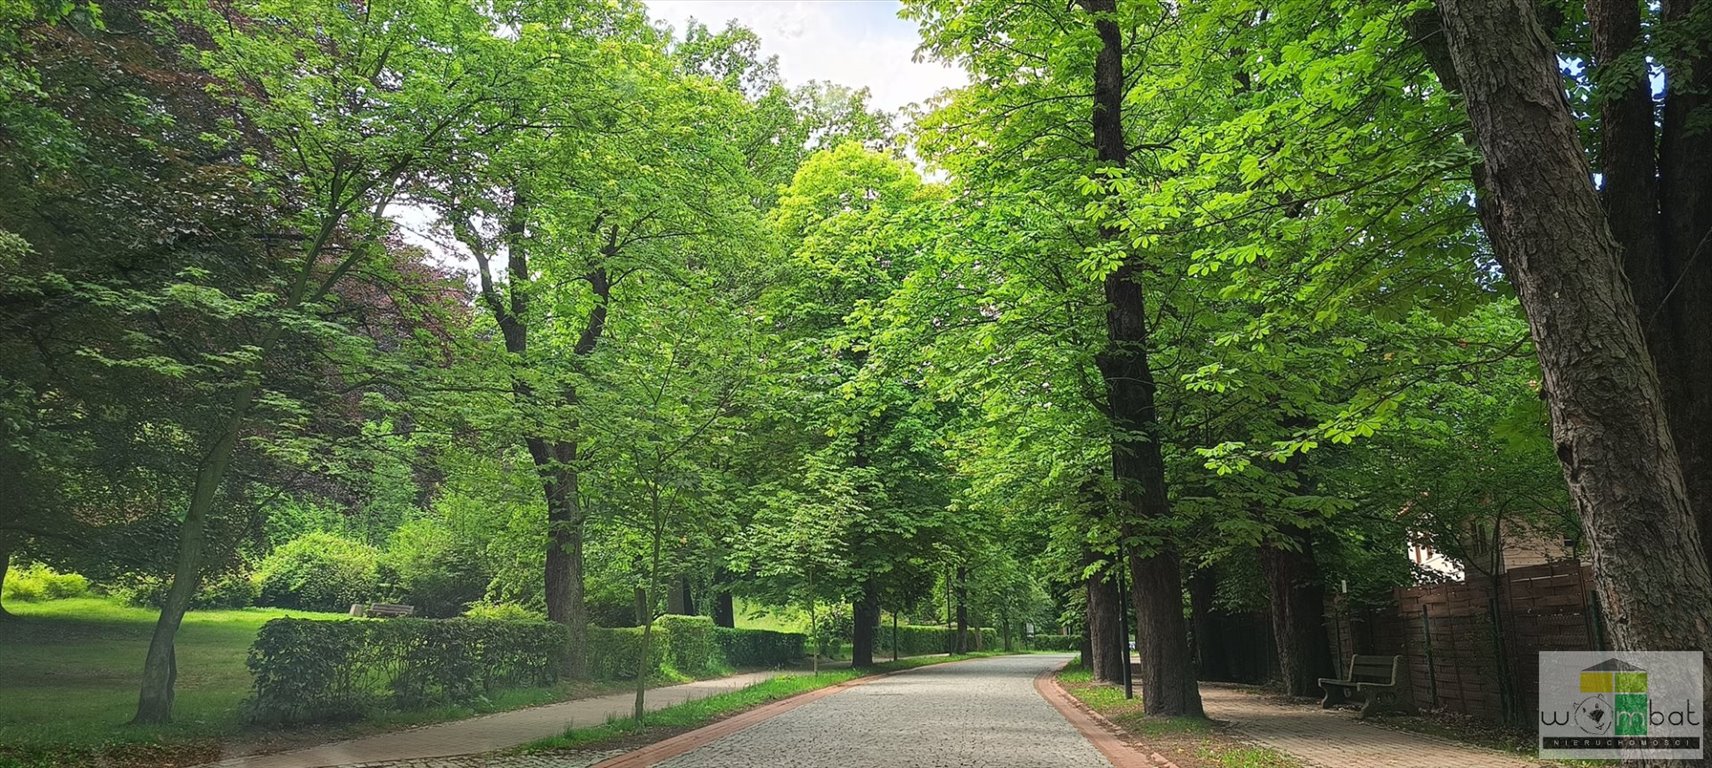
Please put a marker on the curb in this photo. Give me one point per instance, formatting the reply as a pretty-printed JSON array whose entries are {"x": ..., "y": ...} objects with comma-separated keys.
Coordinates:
[
  {"x": 661, "y": 751},
  {"x": 1106, "y": 736}
]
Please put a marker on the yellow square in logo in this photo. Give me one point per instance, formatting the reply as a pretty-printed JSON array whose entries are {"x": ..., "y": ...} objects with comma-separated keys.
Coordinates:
[
  {"x": 1631, "y": 682},
  {"x": 1596, "y": 682}
]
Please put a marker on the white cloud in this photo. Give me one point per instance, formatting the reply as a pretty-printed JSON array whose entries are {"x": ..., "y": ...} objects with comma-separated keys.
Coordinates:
[{"x": 858, "y": 43}]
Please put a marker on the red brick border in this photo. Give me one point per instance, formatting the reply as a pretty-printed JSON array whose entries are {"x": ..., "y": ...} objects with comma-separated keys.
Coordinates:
[{"x": 1103, "y": 733}]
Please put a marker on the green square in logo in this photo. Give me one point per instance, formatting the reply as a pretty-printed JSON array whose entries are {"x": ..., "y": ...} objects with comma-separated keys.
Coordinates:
[
  {"x": 1631, "y": 682},
  {"x": 1631, "y": 714}
]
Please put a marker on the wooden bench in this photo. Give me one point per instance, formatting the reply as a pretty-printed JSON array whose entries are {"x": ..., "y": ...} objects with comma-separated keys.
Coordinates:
[
  {"x": 382, "y": 610},
  {"x": 1379, "y": 682}
]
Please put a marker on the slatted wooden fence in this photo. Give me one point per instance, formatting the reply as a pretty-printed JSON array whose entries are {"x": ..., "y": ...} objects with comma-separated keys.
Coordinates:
[{"x": 1472, "y": 647}]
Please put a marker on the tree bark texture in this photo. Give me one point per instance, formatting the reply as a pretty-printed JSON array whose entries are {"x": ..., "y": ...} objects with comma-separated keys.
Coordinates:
[
  {"x": 961, "y": 641},
  {"x": 724, "y": 608},
  {"x": 1609, "y": 417},
  {"x": 1297, "y": 600},
  {"x": 1103, "y": 633},
  {"x": 1167, "y": 673},
  {"x": 866, "y": 613},
  {"x": 160, "y": 666}
]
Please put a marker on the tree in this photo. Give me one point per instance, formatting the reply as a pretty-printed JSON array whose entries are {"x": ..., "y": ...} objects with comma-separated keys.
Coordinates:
[{"x": 1608, "y": 411}]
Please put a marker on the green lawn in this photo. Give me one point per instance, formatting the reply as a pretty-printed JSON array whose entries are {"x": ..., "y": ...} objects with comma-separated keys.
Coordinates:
[{"x": 69, "y": 670}]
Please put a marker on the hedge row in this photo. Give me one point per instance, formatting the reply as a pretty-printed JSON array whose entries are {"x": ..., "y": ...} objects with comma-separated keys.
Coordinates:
[
  {"x": 759, "y": 647},
  {"x": 307, "y": 670},
  {"x": 1055, "y": 642},
  {"x": 920, "y": 640}
]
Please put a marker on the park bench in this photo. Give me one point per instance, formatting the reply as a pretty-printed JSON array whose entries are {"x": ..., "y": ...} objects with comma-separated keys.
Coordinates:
[
  {"x": 1379, "y": 682},
  {"x": 382, "y": 610}
]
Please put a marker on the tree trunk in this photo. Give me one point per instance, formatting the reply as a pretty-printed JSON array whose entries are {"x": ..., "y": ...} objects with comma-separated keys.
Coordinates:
[
  {"x": 8, "y": 542},
  {"x": 1298, "y": 612},
  {"x": 1609, "y": 421},
  {"x": 866, "y": 613},
  {"x": 1211, "y": 658},
  {"x": 677, "y": 598},
  {"x": 1685, "y": 207},
  {"x": 564, "y": 571},
  {"x": 160, "y": 666},
  {"x": 961, "y": 641},
  {"x": 1103, "y": 631},
  {"x": 724, "y": 607},
  {"x": 1138, "y": 465}
]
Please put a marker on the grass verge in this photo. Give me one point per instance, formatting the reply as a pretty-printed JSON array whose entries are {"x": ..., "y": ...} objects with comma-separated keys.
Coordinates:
[
  {"x": 671, "y": 721},
  {"x": 1189, "y": 742}
]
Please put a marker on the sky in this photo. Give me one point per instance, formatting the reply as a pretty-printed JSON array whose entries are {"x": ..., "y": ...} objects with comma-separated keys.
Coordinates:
[{"x": 858, "y": 43}]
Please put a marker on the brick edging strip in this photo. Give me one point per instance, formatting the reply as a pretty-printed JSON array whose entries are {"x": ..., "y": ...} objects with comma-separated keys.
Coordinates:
[
  {"x": 1094, "y": 727},
  {"x": 661, "y": 751}
]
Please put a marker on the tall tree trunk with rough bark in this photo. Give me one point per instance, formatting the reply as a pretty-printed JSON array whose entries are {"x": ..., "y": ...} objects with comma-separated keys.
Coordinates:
[
  {"x": 1297, "y": 601},
  {"x": 866, "y": 613},
  {"x": 724, "y": 607},
  {"x": 1104, "y": 632},
  {"x": 555, "y": 458},
  {"x": 1609, "y": 419},
  {"x": 961, "y": 641},
  {"x": 1167, "y": 671}
]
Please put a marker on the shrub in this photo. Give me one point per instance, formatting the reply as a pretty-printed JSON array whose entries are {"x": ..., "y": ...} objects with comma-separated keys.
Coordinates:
[
  {"x": 1055, "y": 642},
  {"x": 759, "y": 647},
  {"x": 432, "y": 569},
  {"x": 502, "y": 612},
  {"x": 688, "y": 644},
  {"x": 918, "y": 640},
  {"x": 612, "y": 653},
  {"x": 319, "y": 572},
  {"x": 307, "y": 670},
  {"x": 227, "y": 590},
  {"x": 36, "y": 582}
]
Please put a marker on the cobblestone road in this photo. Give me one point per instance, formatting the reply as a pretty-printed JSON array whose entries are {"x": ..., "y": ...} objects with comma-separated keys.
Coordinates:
[{"x": 973, "y": 714}]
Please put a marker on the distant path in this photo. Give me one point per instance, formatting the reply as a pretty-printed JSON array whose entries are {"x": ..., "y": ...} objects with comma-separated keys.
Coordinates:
[
  {"x": 490, "y": 733},
  {"x": 983, "y": 713}
]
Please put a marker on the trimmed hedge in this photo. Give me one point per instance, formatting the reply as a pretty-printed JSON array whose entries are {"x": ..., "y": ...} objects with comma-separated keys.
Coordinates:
[
  {"x": 920, "y": 640},
  {"x": 1055, "y": 642},
  {"x": 310, "y": 670},
  {"x": 759, "y": 647},
  {"x": 688, "y": 643},
  {"x": 612, "y": 653}
]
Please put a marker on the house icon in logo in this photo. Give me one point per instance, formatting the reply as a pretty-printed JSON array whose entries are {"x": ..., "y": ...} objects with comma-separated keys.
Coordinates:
[{"x": 1623, "y": 686}]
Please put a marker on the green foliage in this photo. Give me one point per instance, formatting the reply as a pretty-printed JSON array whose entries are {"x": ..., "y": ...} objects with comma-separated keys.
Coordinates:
[
  {"x": 689, "y": 645},
  {"x": 613, "y": 653},
  {"x": 917, "y": 640},
  {"x": 1055, "y": 643},
  {"x": 432, "y": 568},
  {"x": 501, "y": 612},
  {"x": 233, "y": 589},
  {"x": 320, "y": 572},
  {"x": 329, "y": 670},
  {"x": 36, "y": 582},
  {"x": 759, "y": 647}
]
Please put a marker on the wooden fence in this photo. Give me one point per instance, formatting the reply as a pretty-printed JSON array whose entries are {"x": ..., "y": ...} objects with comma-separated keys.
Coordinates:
[{"x": 1472, "y": 647}]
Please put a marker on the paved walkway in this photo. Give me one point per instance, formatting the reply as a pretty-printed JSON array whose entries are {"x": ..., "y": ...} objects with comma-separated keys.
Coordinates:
[
  {"x": 1336, "y": 739},
  {"x": 417, "y": 747},
  {"x": 971, "y": 714}
]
